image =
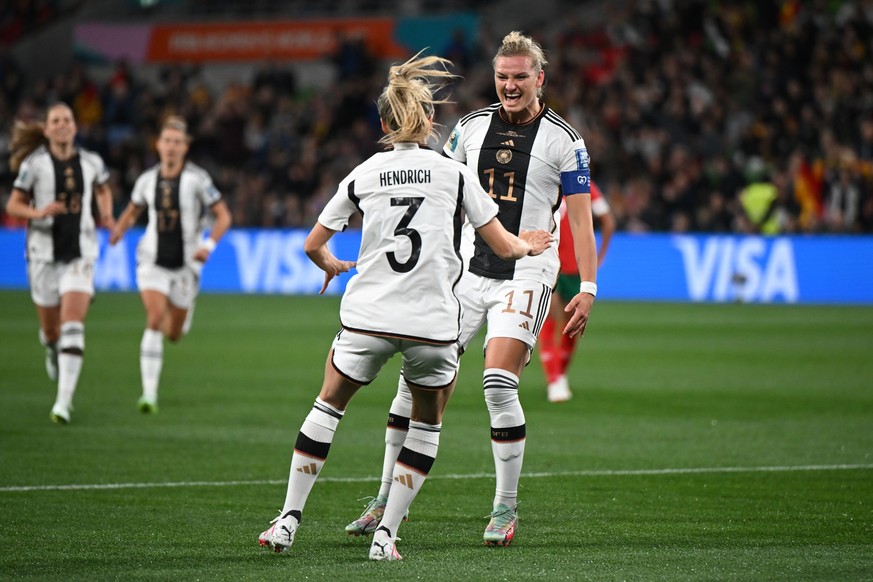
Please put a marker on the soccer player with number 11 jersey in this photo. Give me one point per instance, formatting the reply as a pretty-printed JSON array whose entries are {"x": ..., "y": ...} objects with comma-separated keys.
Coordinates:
[{"x": 527, "y": 158}]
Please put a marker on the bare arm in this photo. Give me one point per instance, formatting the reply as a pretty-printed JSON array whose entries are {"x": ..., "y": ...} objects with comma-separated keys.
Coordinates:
[
  {"x": 127, "y": 219},
  {"x": 316, "y": 249},
  {"x": 222, "y": 224},
  {"x": 103, "y": 195},
  {"x": 19, "y": 206},
  {"x": 509, "y": 247},
  {"x": 585, "y": 247}
]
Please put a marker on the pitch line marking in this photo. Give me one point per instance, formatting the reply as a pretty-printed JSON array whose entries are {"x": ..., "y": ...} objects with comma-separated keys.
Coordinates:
[{"x": 541, "y": 475}]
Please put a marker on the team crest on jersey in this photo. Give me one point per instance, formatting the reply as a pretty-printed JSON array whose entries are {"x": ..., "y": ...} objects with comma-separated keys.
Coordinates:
[
  {"x": 453, "y": 140},
  {"x": 582, "y": 159},
  {"x": 504, "y": 156}
]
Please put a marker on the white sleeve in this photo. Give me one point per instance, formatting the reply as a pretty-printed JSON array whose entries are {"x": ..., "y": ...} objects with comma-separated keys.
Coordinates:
[
  {"x": 338, "y": 209},
  {"x": 26, "y": 176},
  {"x": 207, "y": 192},
  {"x": 478, "y": 205},
  {"x": 102, "y": 172},
  {"x": 454, "y": 147},
  {"x": 138, "y": 196}
]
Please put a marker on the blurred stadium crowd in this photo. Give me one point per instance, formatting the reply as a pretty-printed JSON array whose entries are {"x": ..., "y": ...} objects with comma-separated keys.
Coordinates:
[{"x": 699, "y": 116}]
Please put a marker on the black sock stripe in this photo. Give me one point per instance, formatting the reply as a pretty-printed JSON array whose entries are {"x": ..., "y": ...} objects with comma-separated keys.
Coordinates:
[
  {"x": 397, "y": 421},
  {"x": 312, "y": 448},
  {"x": 416, "y": 461},
  {"x": 326, "y": 410},
  {"x": 496, "y": 381},
  {"x": 508, "y": 434}
]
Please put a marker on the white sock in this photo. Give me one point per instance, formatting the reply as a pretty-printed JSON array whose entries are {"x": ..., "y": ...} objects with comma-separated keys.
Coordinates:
[
  {"x": 507, "y": 433},
  {"x": 151, "y": 360},
  {"x": 72, "y": 348},
  {"x": 410, "y": 471},
  {"x": 310, "y": 453},
  {"x": 395, "y": 433}
]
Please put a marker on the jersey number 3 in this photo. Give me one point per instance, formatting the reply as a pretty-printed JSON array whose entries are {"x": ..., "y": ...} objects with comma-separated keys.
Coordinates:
[{"x": 403, "y": 230}]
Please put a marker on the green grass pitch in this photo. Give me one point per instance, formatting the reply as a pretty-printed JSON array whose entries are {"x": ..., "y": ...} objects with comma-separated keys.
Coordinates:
[{"x": 703, "y": 442}]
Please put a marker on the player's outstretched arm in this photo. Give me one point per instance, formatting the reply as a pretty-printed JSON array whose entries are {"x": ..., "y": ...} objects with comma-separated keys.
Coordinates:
[
  {"x": 509, "y": 247},
  {"x": 316, "y": 249}
]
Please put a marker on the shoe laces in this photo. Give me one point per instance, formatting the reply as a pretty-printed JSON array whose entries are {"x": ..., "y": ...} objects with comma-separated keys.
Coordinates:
[
  {"x": 372, "y": 504},
  {"x": 501, "y": 518}
]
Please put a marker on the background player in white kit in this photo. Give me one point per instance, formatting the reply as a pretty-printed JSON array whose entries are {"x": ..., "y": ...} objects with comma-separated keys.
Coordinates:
[
  {"x": 53, "y": 191},
  {"x": 403, "y": 297},
  {"x": 172, "y": 251},
  {"x": 527, "y": 158}
]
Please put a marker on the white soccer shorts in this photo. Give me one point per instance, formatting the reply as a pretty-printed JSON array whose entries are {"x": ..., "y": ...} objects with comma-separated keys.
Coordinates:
[
  {"x": 360, "y": 358},
  {"x": 515, "y": 309},
  {"x": 49, "y": 281},
  {"x": 180, "y": 286}
]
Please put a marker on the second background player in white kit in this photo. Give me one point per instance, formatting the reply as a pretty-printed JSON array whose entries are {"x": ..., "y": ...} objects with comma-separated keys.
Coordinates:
[{"x": 172, "y": 251}]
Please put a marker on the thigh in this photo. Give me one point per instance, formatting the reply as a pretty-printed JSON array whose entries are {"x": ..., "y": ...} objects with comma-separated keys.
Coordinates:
[
  {"x": 471, "y": 290},
  {"x": 336, "y": 389},
  {"x": 359, "y": 357}
]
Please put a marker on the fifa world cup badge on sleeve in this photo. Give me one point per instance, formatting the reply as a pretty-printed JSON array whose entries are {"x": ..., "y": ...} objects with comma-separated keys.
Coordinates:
[
  {"x": 453, "y": 140},
  {"x": 578, "y": 181},
  {"x": 582, "y": 159}
]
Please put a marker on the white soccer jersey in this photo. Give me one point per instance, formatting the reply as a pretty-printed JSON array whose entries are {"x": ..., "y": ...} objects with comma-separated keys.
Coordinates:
[
  {"x": 64, "y": 237},
  {"x": 526, "y": 169},
  {"x": 176, "y": 207},
  {"x": 411, "y": 200}
]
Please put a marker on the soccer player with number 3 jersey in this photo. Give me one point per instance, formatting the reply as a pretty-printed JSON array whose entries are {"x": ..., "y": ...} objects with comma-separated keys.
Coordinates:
[{"x": 404, "y": 298}]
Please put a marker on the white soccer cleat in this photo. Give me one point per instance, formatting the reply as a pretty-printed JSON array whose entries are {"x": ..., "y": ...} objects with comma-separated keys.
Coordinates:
[
  {"x": 280, "y": 535},
  {"x": 60, "y": 414},
  {"x": 559, "y": 390},
  {"x": 384, "y": 547}
]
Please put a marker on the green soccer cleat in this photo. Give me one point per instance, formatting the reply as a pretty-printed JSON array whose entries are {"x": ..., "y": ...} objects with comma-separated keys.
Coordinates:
[
  {"x": 501, "y": 528},
  {"x": 147, "y": 406},
  {"x": 369, "y": 520}
]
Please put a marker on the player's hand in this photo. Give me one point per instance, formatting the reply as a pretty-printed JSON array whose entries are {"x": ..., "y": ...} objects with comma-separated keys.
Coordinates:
[
  {"x": 539, "y": 240},
  {"x": 53, "y": 208},
  {"x": 115, "y": 235},
  {"x": 580, "y": 307},
  {"x": 335, "y": 269},
  {"x": 107, "y": 222},
  {"x": 201, "y": 254}
]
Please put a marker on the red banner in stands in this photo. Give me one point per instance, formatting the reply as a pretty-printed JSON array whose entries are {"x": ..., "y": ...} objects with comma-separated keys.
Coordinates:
[{"x": 251, "y": 41}]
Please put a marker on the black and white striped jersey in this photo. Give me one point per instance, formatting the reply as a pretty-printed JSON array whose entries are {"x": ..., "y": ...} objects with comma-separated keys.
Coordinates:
[
  {"x": 44, "y": 178},
  {"x": 412, "y": 201},
  {"x": 176, "y": 208},
  {"x": 526, "y": 169}
]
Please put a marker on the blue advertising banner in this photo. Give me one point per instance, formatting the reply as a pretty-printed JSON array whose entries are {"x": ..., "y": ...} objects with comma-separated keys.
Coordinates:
[{"x": 650, "y": 267}]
